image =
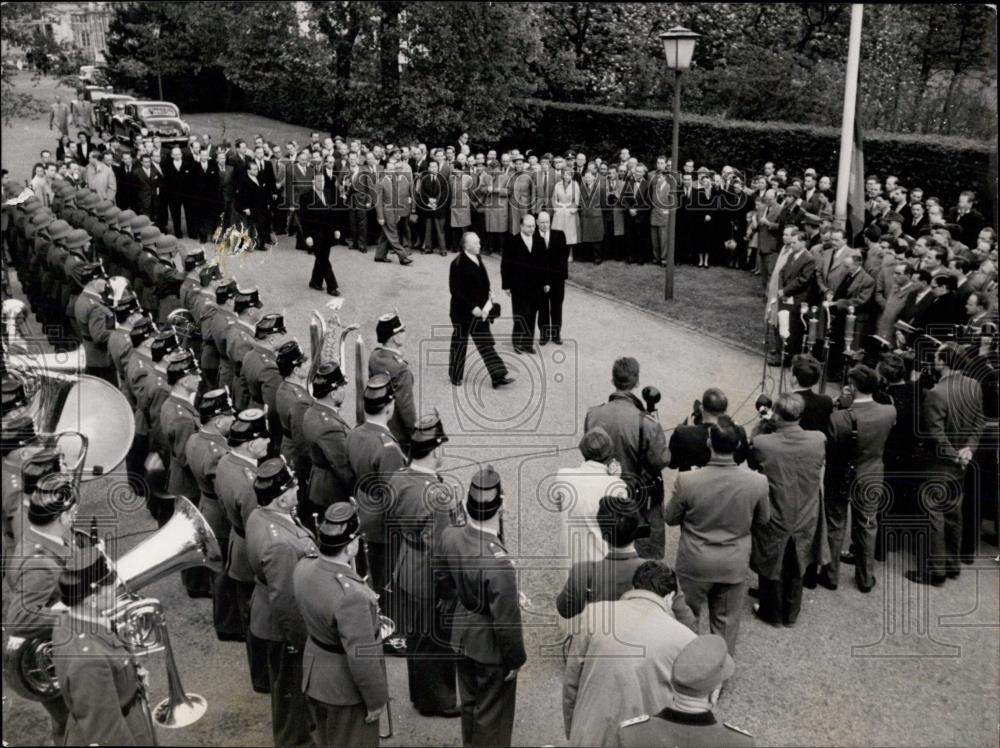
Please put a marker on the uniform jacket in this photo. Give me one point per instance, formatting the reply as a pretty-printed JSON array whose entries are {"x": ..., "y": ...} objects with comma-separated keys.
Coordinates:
[
  {"x": 203, "y": 452},
  {"x": 260, "y": 370},
  {"x": 276, "y": 542},
  {"x": 793, "y": 460},
  {"x": 138, "y": 368},
  {"x": 178, "y": 421},
  {"x": 339, "y": 609},
  {"x": 33, "y": 580},
  {"x": 952, "y": 417},
  {"x": 374, "y": 455},
  {"x": 716, "y": 507},
  {"x": 637, "y": 439},
  {"x": 389, "y": 361},
  {"x": 324, "y": 433},
  {"x": 477, "y": 574},
  {"x": 291, "y": 401},
  {"x": 119, "y": 350},
  {"x": 234, "y": 477},
  {"x": 670, "y": 728},
  {"x": 469, "y": 285},
  {"x": 94, "y": 322}
]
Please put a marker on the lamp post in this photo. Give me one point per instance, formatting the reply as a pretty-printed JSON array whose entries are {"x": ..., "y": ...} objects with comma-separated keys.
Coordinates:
[
  {"x": 678, "y": 49},
  {"x": 159, "y": 74}
]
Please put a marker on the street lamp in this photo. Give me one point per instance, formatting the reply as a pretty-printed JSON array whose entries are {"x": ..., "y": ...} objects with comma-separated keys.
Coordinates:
[
  {"x": 159, "y": 74},
  {"x": 678, "y": 49}
]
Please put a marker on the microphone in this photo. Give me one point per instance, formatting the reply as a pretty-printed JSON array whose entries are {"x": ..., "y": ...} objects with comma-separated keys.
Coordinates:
[
  {"x": 849, "y": 329},
  {"x": 783, "y": 323},
  {"x": 813, "y": 328}
]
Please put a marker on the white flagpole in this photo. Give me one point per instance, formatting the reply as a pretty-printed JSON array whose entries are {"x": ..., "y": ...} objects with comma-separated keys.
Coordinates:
[{"x": 850, "y": 103}]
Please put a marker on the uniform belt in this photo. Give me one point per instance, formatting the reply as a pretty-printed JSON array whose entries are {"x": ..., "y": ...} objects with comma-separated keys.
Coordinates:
[{"x": 337, "y": 648}]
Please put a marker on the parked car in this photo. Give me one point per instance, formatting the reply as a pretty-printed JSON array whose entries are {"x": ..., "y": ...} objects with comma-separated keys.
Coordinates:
[
  {"x": 93, "y": 75},
  {"x": 107, "y": 107},
  {"x": 149, "y": 119}
]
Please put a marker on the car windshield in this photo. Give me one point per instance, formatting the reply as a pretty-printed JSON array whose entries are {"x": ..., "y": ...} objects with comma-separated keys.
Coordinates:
[{"x": 158, "y": 110}]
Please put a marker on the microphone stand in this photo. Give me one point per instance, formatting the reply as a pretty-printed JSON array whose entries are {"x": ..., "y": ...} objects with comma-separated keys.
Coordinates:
[
  {"x": 767, "y": 339},
  {"x": 827, "y": 342},
  {"x": 849, "y": 323}
]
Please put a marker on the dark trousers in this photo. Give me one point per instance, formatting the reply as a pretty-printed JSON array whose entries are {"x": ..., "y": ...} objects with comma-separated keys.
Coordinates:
[
  {"x": 434, "y": 236},
  {"x": 175, "y": 204},
  {"x": 655, "y": 545},
  {"x": 524, "y": 305},
  {"x": 864, "y": 528},
  {"x": 343, "y": 725},
  {"x": 725, "y": 605},
  {"x": 944, "y": 512},
  {"x": 550, "y": 311},
  {"x": 781, "y": 599},
  {"x": 257, "y": 649},
  {"x": 192, "y": 217},
  {"x": 291, "y": 719},
  {"x": 225, "y": 609},
  {"x": 482, "y": 337},
  {"x": 58, "y": 716},
  {"x": 487, "y": 704},
  {"x": 430, "y": 660},
  {"x": 359, "y": 227},
  {"x": 322, "y": 271}
]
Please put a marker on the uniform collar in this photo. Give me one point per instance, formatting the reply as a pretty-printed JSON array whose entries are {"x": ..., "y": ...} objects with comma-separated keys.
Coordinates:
[
  {"x": 626, "y": 396},
  {"x": 244, "y": 458},
  {"x": 378, "y": 427},
  {"x": 51, "y": 542},
  {"x": 688, "y": 718}
]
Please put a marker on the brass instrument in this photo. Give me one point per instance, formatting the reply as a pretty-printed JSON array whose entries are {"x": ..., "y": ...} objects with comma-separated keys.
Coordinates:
[{"x": 328, "y": 341}]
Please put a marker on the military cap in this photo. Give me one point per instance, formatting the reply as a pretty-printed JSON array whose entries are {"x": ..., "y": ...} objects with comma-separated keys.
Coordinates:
[
  {"x": 59, "y": 230},
  {"x": 339, "y": 526},
  {"x": 273, "y": 479},
  {"x": 270, "y": 324},
  {"x": 485, "y": 494},
  {"x": 55, "y": 493},
  {"x": 387, "y": 326},
  {"x": 14, "y": 395},
  {"x": 166, "y": 244},
  {"x": 250, "y": 424},
  {"x": 596, "y": 445},
  {"x": 164, "y": 341},
  {"x": 123, "y": 219},
  {"x": 245, "y": 299},
  {"x": 124, "y": 306},
  {"x": 893, "y": 216},
  {"x": 225, "y": 290},
  {"x": 207, "y": 273},
  {"x": 137, "y": 224},
  {"x": 194, "y": 258},
  {"x": 86, "y": 570},
  {"x": 81, "y": 194},
  {"x": 32, "y": 205},
  {"x": 288, "y": 356},
  {"x": 85, "y": 272},
  {"x": 37, "y": 466},
  {"x": 63, "y": 189},
  {"x": 90, "y": 202},
  {"x": 180, "y": 363},
  {"x": 17, "y": 432},
  {"x": 148, "y": 236},
  {"x": 110, "y": 213},
  {"x": 77, "y": 238},
  {"x": 41, "y": 219},
  {"x": 214, "y": 403},
  {"x": 428, "y": 434},
  {"x": 793, "y": 191},
  {"x": 328, "y": 377},
  {"x": 378, "y": 392},
  {"x": 701, "y": 666},
  {"x": 100, "y": 206},
  {"x": 141, "y": 330}
]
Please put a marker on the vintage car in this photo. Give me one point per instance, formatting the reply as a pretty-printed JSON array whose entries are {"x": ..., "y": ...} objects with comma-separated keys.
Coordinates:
[
  {"x": 151, "y": 119},
  {"x": 107, "y": 107}
]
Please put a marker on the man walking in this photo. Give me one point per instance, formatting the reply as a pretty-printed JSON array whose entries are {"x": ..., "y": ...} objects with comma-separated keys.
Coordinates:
[{"x": 316, "y": 222}]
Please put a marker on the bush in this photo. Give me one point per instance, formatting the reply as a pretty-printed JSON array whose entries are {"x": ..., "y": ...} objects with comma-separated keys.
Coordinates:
[{"x": 942, "y": 166}]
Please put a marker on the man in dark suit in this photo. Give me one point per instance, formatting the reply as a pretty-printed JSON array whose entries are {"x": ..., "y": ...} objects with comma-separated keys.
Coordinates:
[
  {"x": 176, "y": 178},
  {"x": 796, "y": 287},
  {"x": 148, "y": 181},
  {"x": 252, "y": 204},
  {"x": 203, "y": 186},
  {"x": 920, "y": 299},
  {"x": 432, "y": 194},
  {"x": 768, "y": 230},
  {"x": 945, "y": 312},
  {"x": 968, "y": 218},
  {"x": 471, "y": 307},
  {"x": 524, "y": 273},
  {"x": 689, "y": 442},
  {"x": 806, "y": 372},
  {"x": 316, "y": 217},
  {"x": 550, "y": 308},
  {"x": 125, "y": 196}
]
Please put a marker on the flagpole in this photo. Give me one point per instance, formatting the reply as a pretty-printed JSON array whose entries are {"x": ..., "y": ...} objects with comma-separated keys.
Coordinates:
[{"x": 850, "y": 104}]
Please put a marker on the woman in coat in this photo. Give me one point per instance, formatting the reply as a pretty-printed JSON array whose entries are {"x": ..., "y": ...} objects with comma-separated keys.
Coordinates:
[
  {"x": 591, "y": 218},
  {"x": 493, "y": 190},
  {"x": 565, "y": 209}
]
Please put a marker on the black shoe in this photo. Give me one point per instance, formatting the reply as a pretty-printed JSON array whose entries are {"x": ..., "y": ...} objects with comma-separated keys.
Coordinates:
[
  {"x": 789, "y": 622},
  {"x": 446, "y": 713},
  {"x": 528, "y": 349},
  {"x": 230, "y": 637},
  {"x": 456, "y": 382},
  {"x": 774, "y": 360},
  {"x": 809, "y": 580},
  {"x": 598, "y": 261},
  {"x": 315, "y": 288},
  {"x": 866, "y": 588},
  {"x": 953, "y": 574},
  {"x": 918, "y": 577},
  {"x": 557, "y": 340},
  {"x": 334, "y": 292},
  {"x": 759, "y": 617},
  {"x": 825, "y": 581},
  {"x": 443, "y": 254},
  {"x": 380, "y": 259},
  {"x": 425, "y": 252},
  {"x": 502, "y": 382},
  {"x": 543, "y": 341},
  {"x": 966, "y": 559},
  {"x": 405, "y": 261},
  {"x": 847, "y": 558}
]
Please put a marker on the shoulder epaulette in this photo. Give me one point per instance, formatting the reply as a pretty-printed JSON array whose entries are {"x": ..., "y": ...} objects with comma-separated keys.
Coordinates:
[{"x": 635, "y": 720}]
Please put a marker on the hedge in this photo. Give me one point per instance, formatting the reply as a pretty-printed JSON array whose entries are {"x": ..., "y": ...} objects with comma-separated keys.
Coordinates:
[{"x": 942, "y": 166}]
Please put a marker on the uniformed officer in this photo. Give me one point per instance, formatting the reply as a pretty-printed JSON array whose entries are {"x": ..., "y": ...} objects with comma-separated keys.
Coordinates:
[
  {"x": 326, "y": 434},
  {"x": 126, "y": 312},
  {"x": 155, "y": 391},
  {"x": 165, "y": 277},
  {"x": 138, "y": 366},
  {"x": 193, "y": 262},
  {"x": 50, "y": 275},
  {"x": 74, "y": 271},
  {"x": 387, "y": 358},
  {"x": 234, "y": 476},
  {"x": 291, "y": 401},
  {"x": 375, "y": 455},
  {"x": 218, "y": 325},
  {"x": 276, "y": 541},
  {"x": 107, "y": 243},
  {"x": 239, "y": 339},
  {"x": 343, "y": 670},
  {"x": 203, "y": 451},
  {"x": 477, "y": 580},
  {"x": 23, "y": 466},
  {"x": 28, "y": 265},
  {"x": 215, "y": 293},
  {"x": 422, "y": 506},
  {"x": 639, "y": 445},
  {"x": 696, "y": 678},
  {"x": 33, "y": 574},
  {"x": 97, "y": 673},
  {"x": 260, "y": 370},
  {"x": 95, "y": 321},
  {"x": 139, "y": 255}
]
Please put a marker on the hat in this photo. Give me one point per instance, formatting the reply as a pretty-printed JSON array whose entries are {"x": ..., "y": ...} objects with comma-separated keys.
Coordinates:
[
  {"x": 123, "y": 219},
  {"x": 124, "y": 305},
  {"x": 339, "y": 526},
  {"x": 32, "y": 204},
  {"x": 388, "y": 325},
  {"x": 214, "y": 403},
  {"x": 54, "y": 494},
  {"x": 273, "y": 479},
  {"x": 86, "y": 569},
  {"x": 288, "y": 356},
  {"x": 256, "y": 419},
  {"x": 81, "y": 194},
  {"x": 110, "y": 213},
  {"x": 77, "y": 239},
  {"x": 41, "y": 219},
  {"x": 225, "y": 290},
  {"x": 100, "y": 206},
  {"x": 14, "y": 395},
  {"x": 485, "y": 494},
  {"x": 194, "y": 258},
  {"x": 89, "y": 202},
  {"x": 245, "y": 299},
  {"x": 596, "y": 445},
  {"x": 810, "y": 172},
  {"x": 164, "y": 341},
  {"x": 180, "y": 363},
  {"x": 16, "y": 433},
  {"x": 137, "y": 224},
  {"x": 428, "y": 434},
  {"x": 166, "y": 244},
  {"x": 270, "y": 324},
  {"x": 893, "y": 216},
  {"x": 328, "y": 377},
  {"x": 208, "y": 273},
  {"x": 378, "y": 393},
  {"x": 141, "y": 329},
  {"x": 37, "y": 466},
  {"x": 793, "y": 191},
  {"x": 58, "y": 230},
  {"x": 701, "y": 666},
  {"x": 148, "y": 236}
]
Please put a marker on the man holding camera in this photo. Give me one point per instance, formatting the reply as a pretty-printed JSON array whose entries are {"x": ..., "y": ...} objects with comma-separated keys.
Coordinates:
[{"x": 639, "y": 445}]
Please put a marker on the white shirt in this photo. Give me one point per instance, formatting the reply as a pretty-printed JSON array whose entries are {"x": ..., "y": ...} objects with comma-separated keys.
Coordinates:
[
  {"x": 527, "y": 242},
  {"x": 545, "y": 238}
]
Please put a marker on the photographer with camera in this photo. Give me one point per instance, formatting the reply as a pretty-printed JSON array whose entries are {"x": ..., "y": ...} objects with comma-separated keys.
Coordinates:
[{"x": 639, "y": 445}]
